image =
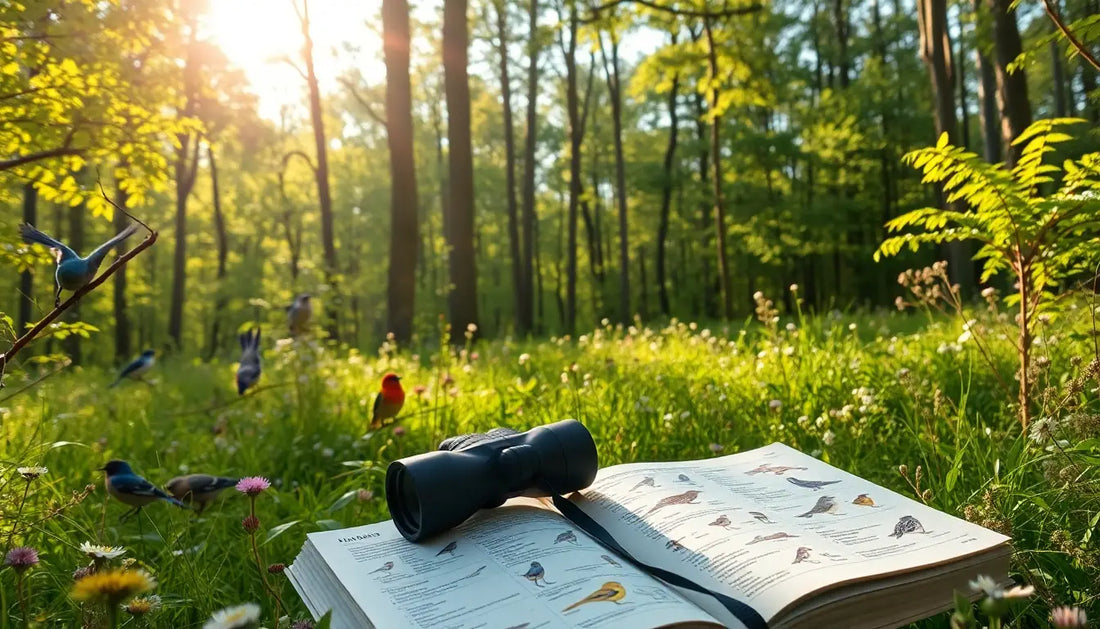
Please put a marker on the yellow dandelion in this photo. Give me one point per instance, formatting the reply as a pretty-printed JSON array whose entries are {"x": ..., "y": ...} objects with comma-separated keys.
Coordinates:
[
  {"x": 142, "y": 605},
  {"x": 113, "y": 586}
]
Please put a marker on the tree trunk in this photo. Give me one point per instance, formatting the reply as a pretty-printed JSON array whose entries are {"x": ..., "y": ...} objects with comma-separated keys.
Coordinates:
[
  {"x": 666, "y": 192},
  {"x": 404, "y": 204},
  {"x": 575, "y": 136},
  {"x": 26, "y": 278},
  {"x": 460, "y": 216},
  {"x": 221, "y": 240},
  {"x": 123, "y": 350},
  {"x": 524, "y": 314},
  {"x": 987, "y": 99},
  {"x": 840, "y": 18},
  {"x": 1058, "y": 79},
  {"x": 324, "y": 197},
  {"x": 960, "y": 80},
  {"x": 716, "y": 165},
  {"x": 515, "y": 245},
  {"x": 1012, "y": 98},
  {"x": 611, "y": 72},
  {"x": 186, "y": 168}
]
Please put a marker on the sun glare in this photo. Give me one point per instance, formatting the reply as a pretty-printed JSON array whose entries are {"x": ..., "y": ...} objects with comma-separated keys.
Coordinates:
[{"x": 256, "y": 34}]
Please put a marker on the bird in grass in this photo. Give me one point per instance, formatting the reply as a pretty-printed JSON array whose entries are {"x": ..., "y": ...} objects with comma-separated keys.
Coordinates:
[
  {"x": 449, "y": 549},
  {"x": 611, "y": 591},
  {"x": 388, "y": 402},
  {"x": 907, "y": 524},
  {"x": 298, "y": 314},
  {"x": 679, "y": 499},
  {"x": 567, "y": 536},
  {"x": 137, "y": 368},
  {"x": 73, "y": 272},
  {"x": 199, "y": 489},
  {"x": 386, "y": 567},
  {"x": 248, "y": 371},
  {"x": 811, "y": 484},
  {"x": 864, "y": 500},
  {"x": 131, "y": 489},
  {"x": 825, "y": 504},
  {"x": 536, "y": 573}
]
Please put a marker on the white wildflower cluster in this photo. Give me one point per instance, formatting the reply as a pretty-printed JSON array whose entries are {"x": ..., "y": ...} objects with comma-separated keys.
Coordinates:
[{"x": 642, "y": 404}]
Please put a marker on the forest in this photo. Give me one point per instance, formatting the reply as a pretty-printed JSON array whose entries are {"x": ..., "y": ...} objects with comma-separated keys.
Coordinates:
[{"x": 864, "y": 228}]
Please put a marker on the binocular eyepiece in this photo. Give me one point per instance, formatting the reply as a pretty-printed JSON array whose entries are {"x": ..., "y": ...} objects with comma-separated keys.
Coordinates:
[{"x": 433, "y": 492}]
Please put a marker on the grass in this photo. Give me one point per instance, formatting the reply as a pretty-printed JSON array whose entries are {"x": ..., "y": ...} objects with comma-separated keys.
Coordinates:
[{"x": 866, "y": 392}]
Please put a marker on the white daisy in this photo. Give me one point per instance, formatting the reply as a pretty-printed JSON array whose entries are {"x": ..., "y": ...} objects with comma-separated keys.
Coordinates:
[
  {"x": 246, "y": 616},
  {"x": 97, "y": 551}
]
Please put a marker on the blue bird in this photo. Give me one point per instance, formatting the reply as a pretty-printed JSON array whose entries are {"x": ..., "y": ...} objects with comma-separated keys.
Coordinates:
[
  {"x": 248, "y": 372},
  {"x": 73, "y": 272},
  {"x": 131, "y": 489},
  {"x": 535, "y": 573},
  {"x": 138, "y": 368}
]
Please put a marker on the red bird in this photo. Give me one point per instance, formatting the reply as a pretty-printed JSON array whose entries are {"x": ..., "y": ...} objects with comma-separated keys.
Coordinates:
[{"x": 388, "y": 402}]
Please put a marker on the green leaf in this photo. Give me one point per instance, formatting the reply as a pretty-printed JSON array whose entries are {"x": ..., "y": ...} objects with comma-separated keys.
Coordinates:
[{"x": 279, "y": 530}]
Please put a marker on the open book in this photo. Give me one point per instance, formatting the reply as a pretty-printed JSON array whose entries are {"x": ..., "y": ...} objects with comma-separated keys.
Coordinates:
[{"x": 802, "y": 543}]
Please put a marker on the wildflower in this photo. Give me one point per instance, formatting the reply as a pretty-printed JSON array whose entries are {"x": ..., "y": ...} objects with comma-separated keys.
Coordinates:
[
  {"x": 828, "y": 438},
  {"x": 988, "y": 292},
  {"x": 399, "y": 431},
  {"x": 96, "y": 551},
  {"x": 794, "y": 288},
  {"x": 985, "y": 584},
  {"x": 142, "y": 605},
  {"x": 31, "y": 473},
  {"x": 685, "y": 414},
  {"x": 791, "y": 327},
  {"x": 852, "y": 327},
  {"x": 364, "y": 495},
  {"x": 1044, "y": 319},
  {"x": 757, "y": 296},
  {"x": 251, "y": 524},
  {"x": 803, "y": 420},
  {"x": 716, "y": 447},
  {"x": 21, "y": 558},
  {"x": 328, "y": 452},
  {"x": 246, "y": 616},
  {"x": 1068, "y": 617},
  {"x": 276, "y": 568},
  {"x": 1042, "y": 430},
  {"x": 668, "y": 417},
  {"x": 775, "y": 405},
  {"x": 1019, "y": 591},
  {"x": 564, "y": 377},
  {"x": 524, "y": 358},
  {"x": 253, "y": 485},
  {"x": 420, "y": 389},
  {"x": 113, "y": 586},
  {"x": 471, "y": 327}
]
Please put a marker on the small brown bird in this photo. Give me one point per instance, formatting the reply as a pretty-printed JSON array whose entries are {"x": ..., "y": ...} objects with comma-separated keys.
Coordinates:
[
  {"x": 722, "y": 521},
  {"x": 198, "y": 489},
  {"x": 864, "y": 500},
  {"x": 802, "y": 554},
  {"x": 778, "y": 470},
  {"x": 679, "y": 499},
  {"x": 611, "y": 591}
]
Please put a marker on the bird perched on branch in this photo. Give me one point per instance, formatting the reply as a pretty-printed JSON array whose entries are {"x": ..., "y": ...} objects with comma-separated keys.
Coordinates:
[
  {"x": 388, "y": 402},
  {"x": 298, "y": 314},
  {"x": 248, "y": 372},
  {"x": 138, "y": 368},
  {"x": 73, "y": 272},
  {"x": 131, "y": 489},
  {"x": 198, "y": 489}
]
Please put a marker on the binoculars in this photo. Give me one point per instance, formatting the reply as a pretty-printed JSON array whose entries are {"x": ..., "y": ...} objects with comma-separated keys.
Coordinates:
[{"x": 430, "y": 493}]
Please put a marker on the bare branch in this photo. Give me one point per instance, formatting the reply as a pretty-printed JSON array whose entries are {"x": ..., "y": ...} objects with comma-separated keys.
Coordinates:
[
  {"x": 15, "y": 162},
  {"x": 664, "y": 8},
  {"x": 379, "y": 118},
  {"x": 309, "y": 162},
  {"x": 1052, "y": 11}
]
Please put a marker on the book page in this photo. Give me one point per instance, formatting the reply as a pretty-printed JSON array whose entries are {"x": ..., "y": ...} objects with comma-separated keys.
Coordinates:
[
  {"x": 519, "y": 565},
  {"x": 771, "y": 525}
]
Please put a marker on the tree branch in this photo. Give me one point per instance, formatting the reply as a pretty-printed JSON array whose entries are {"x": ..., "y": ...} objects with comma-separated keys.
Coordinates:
[
  {"x": 15, "y": 162},
  {"x": 379, "y": 118},
  {"x": 656, "y": 6},
  {"x": 309, "y": 162},
  {"x": 37, "y": 329},
  {"x": 1052, "y": 11}
]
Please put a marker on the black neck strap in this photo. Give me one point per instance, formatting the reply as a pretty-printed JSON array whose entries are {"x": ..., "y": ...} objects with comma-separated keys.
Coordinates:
[{"x": 747, "y": 615}]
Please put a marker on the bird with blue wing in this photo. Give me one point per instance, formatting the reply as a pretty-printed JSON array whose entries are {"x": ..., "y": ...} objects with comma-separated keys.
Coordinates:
[
  {"x": 73, "y": 272},
  {"x": 137, "y": 368},
  {"x": 132, "y": 490},
  {"x": 199, "y": 489},
  {"x": 248, "y": 372}
]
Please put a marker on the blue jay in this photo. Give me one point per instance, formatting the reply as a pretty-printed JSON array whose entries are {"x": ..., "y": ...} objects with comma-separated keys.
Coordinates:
[
  {"x": 73, "y": 272},
  {"x": 138, "y": 368},
  {"x": 298, "y": 314},
  {"x": 199, "y": 489},
  {"x": 131, "y": 489},
  {"x": 248, "y": 372}
]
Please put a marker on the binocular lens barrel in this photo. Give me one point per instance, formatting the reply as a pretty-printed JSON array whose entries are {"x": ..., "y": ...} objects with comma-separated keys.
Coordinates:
[{"x": 436, "y": 491}]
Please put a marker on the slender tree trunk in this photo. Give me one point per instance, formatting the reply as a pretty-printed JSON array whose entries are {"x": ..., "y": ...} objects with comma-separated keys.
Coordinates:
[
  {"x": 123, "y": 349},
  {"x": 987, "y": 99},
  {"x": 840, "y": 17},
  {"x": 221, "y": 239},
  {"x": 404, "y": 204},
  {"x": 26, "y": 278},
  {"x": 666, "y": 192},
  {"x": 460, "y": 215},
  {"x": 441, "y": 173},
  {"x": 716, "y": 165},
  {"x": 611, "y": 71},
  {"x": 1058, "y": 79},
  {"x": 524, "y": 314},
  {"x": 324, "y": 196},
  {"x": 515, "y": 245},
  {"x": 1012, "y": 98},
  {"x": 960, "y": 80},
  {"x": 186, "y": 169},
  {"x": 575, "y": 136}
]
